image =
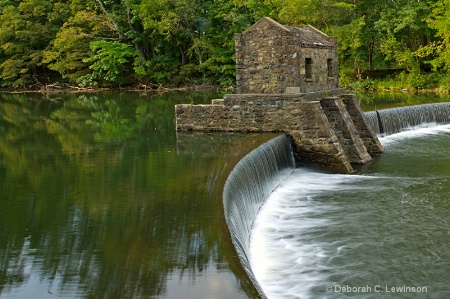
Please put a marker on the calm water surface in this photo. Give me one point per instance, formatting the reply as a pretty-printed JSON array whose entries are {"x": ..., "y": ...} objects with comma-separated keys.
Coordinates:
[
  {"x": 377, "y": 101},
  {"x": 101, "y": 198}
]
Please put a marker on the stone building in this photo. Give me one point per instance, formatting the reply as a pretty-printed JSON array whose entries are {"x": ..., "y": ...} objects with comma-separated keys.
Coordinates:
[
  {"x": 287, "y": 81},
  {"x": 273, "y": 58}
]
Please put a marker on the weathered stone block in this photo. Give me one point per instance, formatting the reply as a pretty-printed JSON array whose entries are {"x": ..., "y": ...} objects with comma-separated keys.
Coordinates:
[
  {"x": 342, "y": 124},
  {"x": 368, "y": 136}
]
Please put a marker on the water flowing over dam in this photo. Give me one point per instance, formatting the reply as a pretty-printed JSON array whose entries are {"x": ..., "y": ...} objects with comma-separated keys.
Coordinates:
[
  {"x": 249, "y": 184},
  {"x": 258, "y": 174},
  {"x": 395, "y": 120}
]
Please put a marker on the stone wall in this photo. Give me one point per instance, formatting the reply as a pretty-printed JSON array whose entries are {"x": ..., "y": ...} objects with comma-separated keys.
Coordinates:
[
  {"x": 271, "y": 57},
  {"x": 344, "y": 128},
  {"x": 320, "y": 79},
  {"x": 322, "y": 130},
  {"x": 267, "y": 60},
  {"x": 365, "y": 131}
]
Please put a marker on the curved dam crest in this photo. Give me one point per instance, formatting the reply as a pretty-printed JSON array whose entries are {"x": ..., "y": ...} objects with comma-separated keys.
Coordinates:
[
  {"x": 249, "y": 184},
  {"x": 287, "y": 81},
  {"x": 260, "y": 172}
]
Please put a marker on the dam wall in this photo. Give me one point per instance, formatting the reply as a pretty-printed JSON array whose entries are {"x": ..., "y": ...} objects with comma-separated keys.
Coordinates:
[
  {"x": 395, "y": 120},
  {"x": 248, "y": 186},
  {"x": 327, "y": 128}
]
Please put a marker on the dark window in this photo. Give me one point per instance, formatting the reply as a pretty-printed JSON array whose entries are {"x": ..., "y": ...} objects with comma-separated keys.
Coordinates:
[
  {"x": 308, "y": 68},
  {"x": 330, "y": 67}
]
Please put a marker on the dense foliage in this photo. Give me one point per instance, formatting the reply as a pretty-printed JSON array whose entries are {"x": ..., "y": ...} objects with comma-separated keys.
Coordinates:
[{"x": 182, "y": 42}]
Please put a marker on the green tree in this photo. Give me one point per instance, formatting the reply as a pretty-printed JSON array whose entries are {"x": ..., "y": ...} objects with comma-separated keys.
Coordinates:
[
  {"x": 439, "y": 20},
  {"x": 351, "y": 61},
  {"x": 370, "y": 10},
  {"x": 173, "y": 42},
  {"x": 25, "y": 30},
  {"x": 219, "y": 22},
  {"x": 439, "y": 47},
  {"x": 170, "y": 25},
  {"x": 110, "y": 63},
  {"x": 323, "y": 14},
  {"x": 69, "y": 52},
  {"x": 403, "y": 31}
]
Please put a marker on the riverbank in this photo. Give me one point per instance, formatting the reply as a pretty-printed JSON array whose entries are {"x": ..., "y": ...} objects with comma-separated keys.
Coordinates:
[
  {"x": 401, "y": 83},
  {"x": 65, "y": 88},
  {"x": 386, "y": 85}
]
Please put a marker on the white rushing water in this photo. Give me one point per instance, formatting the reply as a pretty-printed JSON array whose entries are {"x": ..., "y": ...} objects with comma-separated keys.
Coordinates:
[
  {"x": 415, "y": 132},
  {"x": 285, "y": 255},
  {"x": 304, "y": 241}
]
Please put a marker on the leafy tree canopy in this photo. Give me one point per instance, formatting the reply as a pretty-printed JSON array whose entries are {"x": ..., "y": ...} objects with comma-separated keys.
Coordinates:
[{"x": 178, "y": 42}]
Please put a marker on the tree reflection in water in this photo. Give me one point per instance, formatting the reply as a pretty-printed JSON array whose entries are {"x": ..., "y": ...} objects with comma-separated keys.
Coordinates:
[{"x": 98, "y": 199}]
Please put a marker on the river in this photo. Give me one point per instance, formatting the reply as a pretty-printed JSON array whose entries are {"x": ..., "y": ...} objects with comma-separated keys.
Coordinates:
[
  {"x": 384, "y": 232},
  {"x": 100, "y": 197}
]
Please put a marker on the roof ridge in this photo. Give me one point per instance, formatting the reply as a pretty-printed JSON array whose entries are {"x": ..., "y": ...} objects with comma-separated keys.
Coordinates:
[
  {"x": 269, "y": 20},
  {"x": 315, "y": 29}
]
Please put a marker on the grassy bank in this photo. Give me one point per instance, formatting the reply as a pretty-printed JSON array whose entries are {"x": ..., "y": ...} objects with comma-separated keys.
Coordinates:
[{"x": 403, "y": 82}]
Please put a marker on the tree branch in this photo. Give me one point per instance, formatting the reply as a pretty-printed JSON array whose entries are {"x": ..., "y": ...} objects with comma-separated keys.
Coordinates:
[{"x": 116, "y": 27}]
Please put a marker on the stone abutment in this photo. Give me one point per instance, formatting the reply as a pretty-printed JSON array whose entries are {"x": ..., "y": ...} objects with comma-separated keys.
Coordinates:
[{"x": 327, "y": 128}]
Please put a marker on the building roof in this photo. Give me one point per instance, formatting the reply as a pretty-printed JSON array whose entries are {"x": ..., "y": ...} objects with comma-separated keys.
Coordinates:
[
  {"x": 266, "y": 20},
  {"x": 309, "y": 36}
]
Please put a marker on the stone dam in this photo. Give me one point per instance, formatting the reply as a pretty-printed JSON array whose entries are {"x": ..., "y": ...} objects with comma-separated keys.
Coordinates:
[{"x": 287, "y": 81}]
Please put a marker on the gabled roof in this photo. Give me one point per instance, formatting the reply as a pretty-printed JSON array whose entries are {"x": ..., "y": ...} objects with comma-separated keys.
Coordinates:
[
  {"x": 310, "y": 36},
  {"x": 266, "y": 20}
]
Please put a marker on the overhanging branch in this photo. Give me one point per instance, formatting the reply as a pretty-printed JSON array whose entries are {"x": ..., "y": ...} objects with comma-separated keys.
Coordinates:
[{"x": 116, "y": 27}]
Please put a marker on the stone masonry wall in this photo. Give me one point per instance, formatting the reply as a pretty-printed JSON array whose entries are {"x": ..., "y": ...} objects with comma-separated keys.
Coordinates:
[
  {"x": 322, "y": 130},
  {"x": 345, "y": 130},
  {"x": 320, "y": 79},
  {"x": 368, "y": 136},
  {"x": 267, "y": 60}
]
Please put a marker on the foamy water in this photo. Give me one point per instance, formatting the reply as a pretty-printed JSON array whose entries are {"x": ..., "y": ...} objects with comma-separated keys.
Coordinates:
[
  {"x": 321, "y": 231},
  {"x": 415, "y": 132},
  {"x": 286, "y": 256}
]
